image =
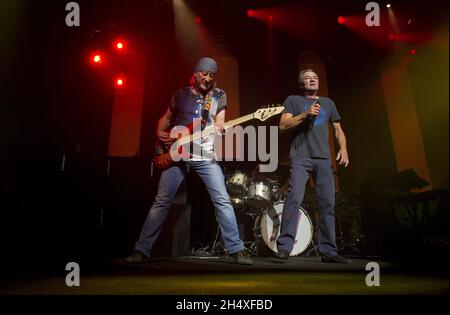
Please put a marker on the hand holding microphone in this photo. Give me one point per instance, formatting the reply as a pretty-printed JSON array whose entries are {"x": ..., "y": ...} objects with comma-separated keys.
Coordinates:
[{"x": 313, "y": 112}]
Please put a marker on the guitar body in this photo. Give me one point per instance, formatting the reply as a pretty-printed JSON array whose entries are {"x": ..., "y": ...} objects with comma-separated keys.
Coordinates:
[{"x": 162, "y": 158}]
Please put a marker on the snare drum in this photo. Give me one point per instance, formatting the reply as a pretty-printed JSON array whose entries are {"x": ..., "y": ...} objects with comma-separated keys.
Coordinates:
[
  {"x": 269, "y": 225},
  {"x": 259, "y": 195},
  {"x": 239, "y": 202}
]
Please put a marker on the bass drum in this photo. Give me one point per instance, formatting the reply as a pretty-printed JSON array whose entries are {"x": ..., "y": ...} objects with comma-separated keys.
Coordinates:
[{"x": 269, "y": 225}]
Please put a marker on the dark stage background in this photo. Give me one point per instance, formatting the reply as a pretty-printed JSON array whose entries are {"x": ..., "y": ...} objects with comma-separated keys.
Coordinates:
[{"x": 57, "y": 110}]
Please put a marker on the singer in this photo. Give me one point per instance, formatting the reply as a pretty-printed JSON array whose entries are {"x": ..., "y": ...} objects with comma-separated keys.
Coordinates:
[{"x": 307, "y": 117}]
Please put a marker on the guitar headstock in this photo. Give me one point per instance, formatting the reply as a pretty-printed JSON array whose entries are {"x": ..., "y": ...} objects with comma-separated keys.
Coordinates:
[{"x": 271, "y": 110}]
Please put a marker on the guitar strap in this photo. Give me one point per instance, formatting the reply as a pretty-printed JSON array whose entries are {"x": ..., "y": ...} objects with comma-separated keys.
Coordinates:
[{"x": 205, "y": 110}]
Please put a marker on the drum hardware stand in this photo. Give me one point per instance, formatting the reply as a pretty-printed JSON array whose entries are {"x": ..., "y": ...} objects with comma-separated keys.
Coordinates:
[
  {"x": 313, "y": 248},
  {"x": 217, "y": 247},
  {"x": 343, "y": 244},
  {"x": 250, "y": 247},
  {"x": 217, "y": 242},
  {"x": 257, "y": 236}
]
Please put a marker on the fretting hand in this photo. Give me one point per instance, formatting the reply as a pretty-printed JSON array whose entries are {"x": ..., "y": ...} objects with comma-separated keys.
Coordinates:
[{"x": 220, "y": 127}]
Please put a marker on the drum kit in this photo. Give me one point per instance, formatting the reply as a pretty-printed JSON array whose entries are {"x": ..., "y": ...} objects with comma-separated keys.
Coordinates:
[{"x": 262, "y": 199}]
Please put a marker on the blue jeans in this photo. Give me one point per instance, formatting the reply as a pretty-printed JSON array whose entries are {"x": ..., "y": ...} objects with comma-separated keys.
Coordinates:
[
  {"x": 322, "y": 172},
  {"x": 211, "y": 174}
]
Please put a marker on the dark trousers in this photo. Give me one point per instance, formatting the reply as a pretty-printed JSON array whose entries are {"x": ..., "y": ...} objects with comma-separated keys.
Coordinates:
[{"x": 322, "y": 172}]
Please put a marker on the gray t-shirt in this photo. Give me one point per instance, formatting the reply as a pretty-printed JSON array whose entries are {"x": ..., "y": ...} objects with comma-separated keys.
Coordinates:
[{"x": 310, "y": 138}]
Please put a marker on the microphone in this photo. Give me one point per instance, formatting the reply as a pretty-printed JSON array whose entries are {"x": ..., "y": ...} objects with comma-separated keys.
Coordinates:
[{"x": 313, "y": 119}]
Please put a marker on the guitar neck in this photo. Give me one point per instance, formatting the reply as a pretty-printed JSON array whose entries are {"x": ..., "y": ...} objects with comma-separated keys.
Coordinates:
[
  {"x": 212, "y": 129},
  {"x": 238, "y": 121}
]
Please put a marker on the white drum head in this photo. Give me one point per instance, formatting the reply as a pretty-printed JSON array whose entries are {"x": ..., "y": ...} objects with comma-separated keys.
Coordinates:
[{"x": 271, "y": 225}]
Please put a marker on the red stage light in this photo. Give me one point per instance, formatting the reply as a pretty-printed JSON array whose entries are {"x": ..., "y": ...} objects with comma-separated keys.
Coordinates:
[
  {"x": 120, "y": 45},
  {"x": 270, "y": 18},
  {"x": 198, "y": 19},
  {"x": 97, "y": 58},
  {"x": 413, "y": 51},
  {"x": 120, "y": 81},
  {"x": 341, "y": 20},
  {"x": 250, "y": 13}
]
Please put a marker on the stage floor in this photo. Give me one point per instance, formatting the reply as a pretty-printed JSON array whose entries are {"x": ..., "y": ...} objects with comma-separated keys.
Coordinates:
[{"x": 221, "y": 276}]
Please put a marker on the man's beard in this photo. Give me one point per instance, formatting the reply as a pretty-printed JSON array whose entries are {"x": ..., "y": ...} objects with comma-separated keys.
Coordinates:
[{"x": 205, "y": 87}]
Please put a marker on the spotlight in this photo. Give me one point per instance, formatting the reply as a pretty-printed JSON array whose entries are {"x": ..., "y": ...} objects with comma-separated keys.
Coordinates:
[
  {"x": 270, "y": 18},
  {"x": 341, "y": 20},
  {"x": 198, "y": 19},
  {"x": 119, "y": 45},
  {"x": 413, "y": 51},
  {"x": 250, "y": 13},
  {"x": 97, "y": 58},
  {"x": 120, "y": 82},
  {"x": 388, "y": 5}
]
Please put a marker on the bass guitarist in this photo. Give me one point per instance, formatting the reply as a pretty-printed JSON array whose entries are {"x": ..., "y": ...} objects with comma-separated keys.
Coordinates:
[{"x": 200, "y": 100}]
